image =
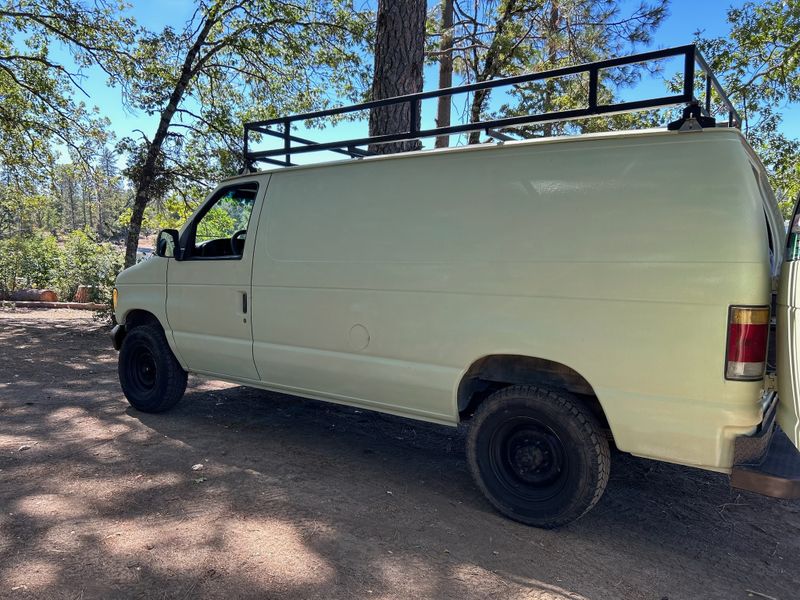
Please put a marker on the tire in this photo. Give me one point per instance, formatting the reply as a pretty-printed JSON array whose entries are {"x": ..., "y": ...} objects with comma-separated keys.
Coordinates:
[
  {"x": 539, "y": 456},
  {"x": 150, "y": 375}
]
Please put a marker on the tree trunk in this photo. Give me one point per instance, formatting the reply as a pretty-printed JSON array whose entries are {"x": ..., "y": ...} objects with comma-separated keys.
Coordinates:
[
  {"x": 445, "y": 72},
  {"x": 491, "y": 67},
  {"x": 71, "y": 193},
  {"x": 552, "y": 57},
  {"x": 475, "y": 110},
  {"x": 88, "y": 217},
  {"x": 101, "y": 232},
  {"x": 106, "y": 190},
  {"x": 399, "y": 56},
  {"x": 150, "y": 168}
]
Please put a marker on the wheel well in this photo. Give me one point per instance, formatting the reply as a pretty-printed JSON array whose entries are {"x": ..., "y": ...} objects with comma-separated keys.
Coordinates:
[
  {"x": 492, "y": 373},
  {"x": 136, "y": 318}
]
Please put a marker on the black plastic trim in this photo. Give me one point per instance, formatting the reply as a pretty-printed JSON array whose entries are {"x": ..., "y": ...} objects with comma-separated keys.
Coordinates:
[{"x": 117, "y": 334}]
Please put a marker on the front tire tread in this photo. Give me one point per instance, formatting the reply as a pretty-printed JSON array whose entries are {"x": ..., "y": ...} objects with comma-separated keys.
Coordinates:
[{"x": 171, "y": 378}]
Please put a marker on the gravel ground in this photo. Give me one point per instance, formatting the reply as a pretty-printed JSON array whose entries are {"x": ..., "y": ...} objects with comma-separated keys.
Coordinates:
[{"x": 299, "y": 499}]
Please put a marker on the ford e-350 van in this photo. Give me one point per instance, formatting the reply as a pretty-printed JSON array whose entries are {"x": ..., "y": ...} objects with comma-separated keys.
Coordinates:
[{"x": 554, "y": 294}]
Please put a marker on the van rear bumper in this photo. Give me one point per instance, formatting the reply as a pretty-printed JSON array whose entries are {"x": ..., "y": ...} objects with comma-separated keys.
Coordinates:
[{"x": 767, "y": 462}]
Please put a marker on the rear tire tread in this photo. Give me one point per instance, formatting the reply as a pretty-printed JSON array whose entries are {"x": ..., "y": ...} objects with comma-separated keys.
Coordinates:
[{"x": 590, "y": 429}]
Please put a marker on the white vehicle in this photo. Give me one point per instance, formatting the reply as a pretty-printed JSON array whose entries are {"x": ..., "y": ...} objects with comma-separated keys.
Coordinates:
[{"x": 556, "y": 294}]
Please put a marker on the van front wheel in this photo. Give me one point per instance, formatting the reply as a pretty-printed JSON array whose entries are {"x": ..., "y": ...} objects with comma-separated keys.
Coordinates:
[
  {"x": 150, "y": 375},
  {"x": 539, "y": 456}
]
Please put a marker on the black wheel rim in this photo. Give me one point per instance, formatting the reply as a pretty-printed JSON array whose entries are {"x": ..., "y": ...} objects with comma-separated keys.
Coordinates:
[
  {"x": 142, "y": 370},
  {"x": 528, "y": 459}
]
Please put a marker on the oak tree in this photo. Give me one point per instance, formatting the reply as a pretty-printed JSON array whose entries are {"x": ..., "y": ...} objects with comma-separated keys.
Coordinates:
[
  {"x": 42, "y": 101},
  {"x": 233, "y": 60}
]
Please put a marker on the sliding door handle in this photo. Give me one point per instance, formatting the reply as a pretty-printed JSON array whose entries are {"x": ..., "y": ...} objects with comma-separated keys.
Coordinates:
[{"x": 244, "y": 302}]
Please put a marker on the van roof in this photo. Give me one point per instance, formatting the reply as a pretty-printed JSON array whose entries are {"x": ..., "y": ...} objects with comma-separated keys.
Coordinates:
[{"x": 631, "y": 135}]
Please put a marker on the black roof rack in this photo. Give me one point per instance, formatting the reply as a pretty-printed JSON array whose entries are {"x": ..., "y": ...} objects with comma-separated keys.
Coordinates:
[{"x": 281, "y": 127}]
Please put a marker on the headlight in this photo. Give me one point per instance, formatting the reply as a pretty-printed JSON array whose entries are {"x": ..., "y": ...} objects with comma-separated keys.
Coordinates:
[{"x": 114, "y": 299}]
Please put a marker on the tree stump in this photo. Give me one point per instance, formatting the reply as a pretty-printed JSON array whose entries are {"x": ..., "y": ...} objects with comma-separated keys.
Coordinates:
[{"x": 83, "y": 294}]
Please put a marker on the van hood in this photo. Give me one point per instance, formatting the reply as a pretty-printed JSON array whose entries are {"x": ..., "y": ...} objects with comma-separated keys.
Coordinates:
[{"x": 150, "y": 270}]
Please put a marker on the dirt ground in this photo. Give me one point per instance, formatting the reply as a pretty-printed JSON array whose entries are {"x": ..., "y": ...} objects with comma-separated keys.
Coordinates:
[{"x": 299, "y": 499}]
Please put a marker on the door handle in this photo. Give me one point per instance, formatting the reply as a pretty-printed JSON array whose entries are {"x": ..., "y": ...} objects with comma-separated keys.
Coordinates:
[{"x": 244, "y": 302}]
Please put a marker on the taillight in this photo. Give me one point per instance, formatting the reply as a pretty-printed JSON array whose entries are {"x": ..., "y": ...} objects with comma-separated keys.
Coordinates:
[{"x": 748, "y": 330}]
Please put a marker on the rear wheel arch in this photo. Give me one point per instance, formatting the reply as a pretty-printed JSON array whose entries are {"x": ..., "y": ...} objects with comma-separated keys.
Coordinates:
[{"x": 491, "y": 373}]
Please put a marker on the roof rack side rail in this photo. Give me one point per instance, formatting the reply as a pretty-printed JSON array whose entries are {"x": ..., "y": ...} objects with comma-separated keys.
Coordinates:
[{"x": 281, "y": 127}]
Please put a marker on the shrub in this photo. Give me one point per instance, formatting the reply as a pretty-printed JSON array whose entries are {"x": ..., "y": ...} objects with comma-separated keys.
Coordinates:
[
  {"x": 87, "y": 262},
  {"x": 29, "y": 260},
  {"x": 36, "y": 260}
]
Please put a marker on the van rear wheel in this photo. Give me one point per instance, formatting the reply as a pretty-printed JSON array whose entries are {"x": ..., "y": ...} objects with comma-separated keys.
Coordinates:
[
  {"x": 150, "y": 375},
  {"x": 538, "y": 456}
]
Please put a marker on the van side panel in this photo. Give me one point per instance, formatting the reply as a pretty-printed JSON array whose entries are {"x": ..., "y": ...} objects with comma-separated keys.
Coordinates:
[{"x": 379, "y": 282}]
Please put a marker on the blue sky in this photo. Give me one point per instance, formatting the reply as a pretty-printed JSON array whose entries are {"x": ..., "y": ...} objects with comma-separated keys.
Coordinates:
[{"x": 685, "y": 17}]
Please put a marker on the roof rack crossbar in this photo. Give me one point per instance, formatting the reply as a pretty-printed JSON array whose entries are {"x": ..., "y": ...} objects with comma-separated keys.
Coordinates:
[
  {"x": 281, "y": 127},
  {"x": 347, "y": 151}
]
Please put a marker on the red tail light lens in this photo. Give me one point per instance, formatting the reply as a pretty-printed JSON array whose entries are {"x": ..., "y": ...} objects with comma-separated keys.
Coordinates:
[{"x": 748, "y": 330}]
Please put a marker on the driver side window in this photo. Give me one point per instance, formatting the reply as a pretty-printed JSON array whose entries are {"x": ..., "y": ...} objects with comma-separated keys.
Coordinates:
[{"x": 221, "y": 230}]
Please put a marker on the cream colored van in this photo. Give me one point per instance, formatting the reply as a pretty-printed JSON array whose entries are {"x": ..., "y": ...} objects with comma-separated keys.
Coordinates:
[{"x": 557, "y": 295}]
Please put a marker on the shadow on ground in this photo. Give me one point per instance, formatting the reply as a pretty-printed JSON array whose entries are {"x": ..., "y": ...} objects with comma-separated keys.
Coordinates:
[{"x": 300, "y": 499}]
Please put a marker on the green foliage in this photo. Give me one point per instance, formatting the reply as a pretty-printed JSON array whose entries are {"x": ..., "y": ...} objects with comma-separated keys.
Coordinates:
[
  {"x": 233, "y": 61},
  {"x": 229, "y": 215},
  {"x": 216, "y": 223},
  {"x": 38, "y": 260},
  {"x": 32, "y": 260},
  {"x": 22, "y": 209},
  {"x": 65, "y": 198},
  {"x": 506, "y": 37},
  {"x": 170, "y": 213},
  {"x": 38, "y": 109},
  {"x": 86, "y": 262}
]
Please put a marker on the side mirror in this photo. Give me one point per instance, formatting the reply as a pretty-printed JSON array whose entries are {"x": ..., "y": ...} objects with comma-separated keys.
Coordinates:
[{"x": 168, "y": 245}]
